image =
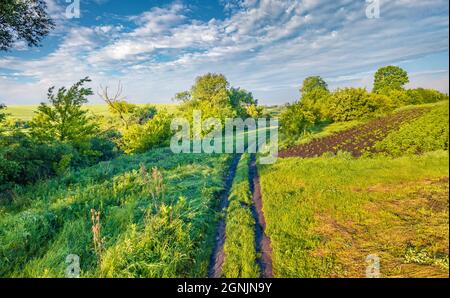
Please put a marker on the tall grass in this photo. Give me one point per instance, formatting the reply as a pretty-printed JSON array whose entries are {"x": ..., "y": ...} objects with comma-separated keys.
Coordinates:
[{"x": 52, "y": 219}]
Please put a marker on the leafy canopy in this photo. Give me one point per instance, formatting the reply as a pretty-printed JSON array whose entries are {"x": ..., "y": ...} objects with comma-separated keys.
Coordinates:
[
  {"x": 64, "y": 119},
  {"x": 313, "y": 83},
  {"x": 212, "y": 95},
  {"x": 388, "y": 78},
  {"x": 23, "y": 20}
]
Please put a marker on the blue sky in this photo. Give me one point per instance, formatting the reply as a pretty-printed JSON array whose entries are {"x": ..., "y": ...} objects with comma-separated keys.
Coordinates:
[{"x": 157, "y": 48}]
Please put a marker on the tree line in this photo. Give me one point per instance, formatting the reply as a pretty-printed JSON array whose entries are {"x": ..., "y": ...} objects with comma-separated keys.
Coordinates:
[{"x": 318, "y": 104}]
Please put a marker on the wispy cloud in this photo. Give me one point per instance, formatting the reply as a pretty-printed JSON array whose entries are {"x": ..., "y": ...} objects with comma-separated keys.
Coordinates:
[{"x": 266, "y": 46}]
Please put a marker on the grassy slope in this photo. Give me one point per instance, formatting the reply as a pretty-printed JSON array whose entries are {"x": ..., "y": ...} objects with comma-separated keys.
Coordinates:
[
  {"x": 240, "y": 251},
  {"x": 325, "y": 215},
  {"x": 26, "y": 112},
  {"x": 429, "y": 132},
  {"x": 143, "y": 236},
  {"x": 328, "y": 128}
]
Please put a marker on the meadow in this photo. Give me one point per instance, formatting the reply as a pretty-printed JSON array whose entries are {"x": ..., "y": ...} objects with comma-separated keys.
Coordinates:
[
  {"x": 326, "y": 214},
  {"x": 26, "y": 112},
  {"x": 156, "y": 219},
  {"x": 360, "y": 175}
]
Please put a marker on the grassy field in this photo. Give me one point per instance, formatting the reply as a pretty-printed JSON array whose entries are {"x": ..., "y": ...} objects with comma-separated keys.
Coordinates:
[
  {"x": 157, "y": 218},
  {"x": 326, "y": 215},
  {"x": 26, "y": 112}
]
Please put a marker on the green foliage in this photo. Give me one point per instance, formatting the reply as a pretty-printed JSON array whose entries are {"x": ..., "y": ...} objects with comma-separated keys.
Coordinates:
[
  {"x": 2, "y": 115},
  {"x": 23, "y": 161},
  {"x": 421, "y": 96},
  {"x": 138, "y": 138},
  {"x": 296, "y": 120},
  {"x": 240, "y": 250},
  {"x": 389, "y": 77},
  {"x": 428, "y": 133},
  {"x": 64, "y": 119},
  {"x": 212, "y": 95},
  {"x": 353, "y": 103},
  {"x": 168, "y": 235},
  {"x": 23, "y": 21},
  {"x": 313, "y": 83},
  {"x": 322, "y": 212}
]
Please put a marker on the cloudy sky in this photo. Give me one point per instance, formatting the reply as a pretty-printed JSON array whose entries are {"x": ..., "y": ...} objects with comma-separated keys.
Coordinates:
[{"x": 157, "y": 48}]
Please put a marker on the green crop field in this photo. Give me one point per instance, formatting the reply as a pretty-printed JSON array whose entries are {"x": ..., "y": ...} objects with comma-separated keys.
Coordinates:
[{"x": 26, "y": 112}]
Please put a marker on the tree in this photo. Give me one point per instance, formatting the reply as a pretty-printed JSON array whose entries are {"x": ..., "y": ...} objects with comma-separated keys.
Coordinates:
[
  {"x": 2, "y": 115},
  {"x": 211, "y": 95},
  {"x": 353, "y": 103},
  {"x": 243, "y": 102},
  {"x": 389, "y": 78},
  {"x": 117, "y": 104},
  {"x": 23, "y": 20},
  {"x": 313, "y": 83},
  {"x": 296, "y": 120},
  {"x": 64, "y": 119}
]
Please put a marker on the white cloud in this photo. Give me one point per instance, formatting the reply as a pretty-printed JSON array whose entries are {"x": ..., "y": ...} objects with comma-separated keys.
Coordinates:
[{"x": 266, "y": 46}]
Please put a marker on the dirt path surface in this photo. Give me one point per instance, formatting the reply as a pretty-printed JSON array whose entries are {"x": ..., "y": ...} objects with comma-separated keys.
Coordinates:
[
  {"x": 218, "y": 256},
  {"x": 263, "y": 244}
]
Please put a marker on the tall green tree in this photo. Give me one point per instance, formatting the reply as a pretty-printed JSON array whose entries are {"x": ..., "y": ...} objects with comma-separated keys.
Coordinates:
[
  {"x": 315, "y": 95},
  {"x": 211, "y": 95},
  {"x": 63, "y": 118},
  {"x": 389, "y": 78},
  {"x": 2, "y": 114},
  {"x": 313, "y": 83},
  {"x": 23, "y": 20}
]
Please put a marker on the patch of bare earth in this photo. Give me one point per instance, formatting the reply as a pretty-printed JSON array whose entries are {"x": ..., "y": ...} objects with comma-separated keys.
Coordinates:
[{"x": 356, "y": 140}]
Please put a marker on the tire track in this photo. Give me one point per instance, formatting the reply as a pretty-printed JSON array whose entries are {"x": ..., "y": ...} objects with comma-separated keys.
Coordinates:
[
  {"x": 263, "y": 244},
  {"x": 218, "y": 256}
]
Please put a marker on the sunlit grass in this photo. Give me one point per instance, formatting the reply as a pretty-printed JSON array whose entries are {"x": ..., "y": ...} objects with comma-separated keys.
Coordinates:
[{"x": 325, "y": 215}]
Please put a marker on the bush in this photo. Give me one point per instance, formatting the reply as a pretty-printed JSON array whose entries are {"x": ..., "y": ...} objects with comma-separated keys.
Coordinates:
[
  {"x": 297, "y": 120},
  {"x": 355, "y": 103},
  {"x": 421, "y": 95},
  {"x": 140, "y": 138},
  {"x": 23, "y": 161}
]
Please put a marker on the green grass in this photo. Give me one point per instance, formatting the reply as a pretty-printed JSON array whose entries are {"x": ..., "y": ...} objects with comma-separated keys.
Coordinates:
[
  {"x": 325, "y": 215},
  {"x": 147, "y": 230},
  {"x": 26, "y": 112},
  {"x": 240, "y": 250},
  {"x": 428, "y": 133}
]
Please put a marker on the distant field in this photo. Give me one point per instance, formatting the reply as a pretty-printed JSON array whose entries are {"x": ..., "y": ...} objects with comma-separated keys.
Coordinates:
[{"x": 25, "y": 112}]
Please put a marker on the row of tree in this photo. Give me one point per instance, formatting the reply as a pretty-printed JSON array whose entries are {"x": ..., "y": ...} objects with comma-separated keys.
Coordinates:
[
  {"x": 64, "y": 134},
  {"x": 318, "y": 104}
]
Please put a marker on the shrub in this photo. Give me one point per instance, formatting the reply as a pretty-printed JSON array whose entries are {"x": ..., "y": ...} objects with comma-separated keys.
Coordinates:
[
  {"x": 421, "y": 95},
  {"x": 355, "y": 103},
  {"x": 155, "y": 133},
  {"x": 297, "y": 120}
]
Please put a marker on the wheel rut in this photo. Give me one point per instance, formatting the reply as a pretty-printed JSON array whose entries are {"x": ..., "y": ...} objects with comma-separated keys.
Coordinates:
[
  {"x": 263, "y": 243},
  {"x": 218, "y": 256}
]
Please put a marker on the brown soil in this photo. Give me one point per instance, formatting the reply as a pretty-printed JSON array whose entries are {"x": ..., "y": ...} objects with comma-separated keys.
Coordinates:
[
  {"x": 356, "y": 140},
  {"x": 263, "y": 244},
  {"x": 218, "y": 256}
]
